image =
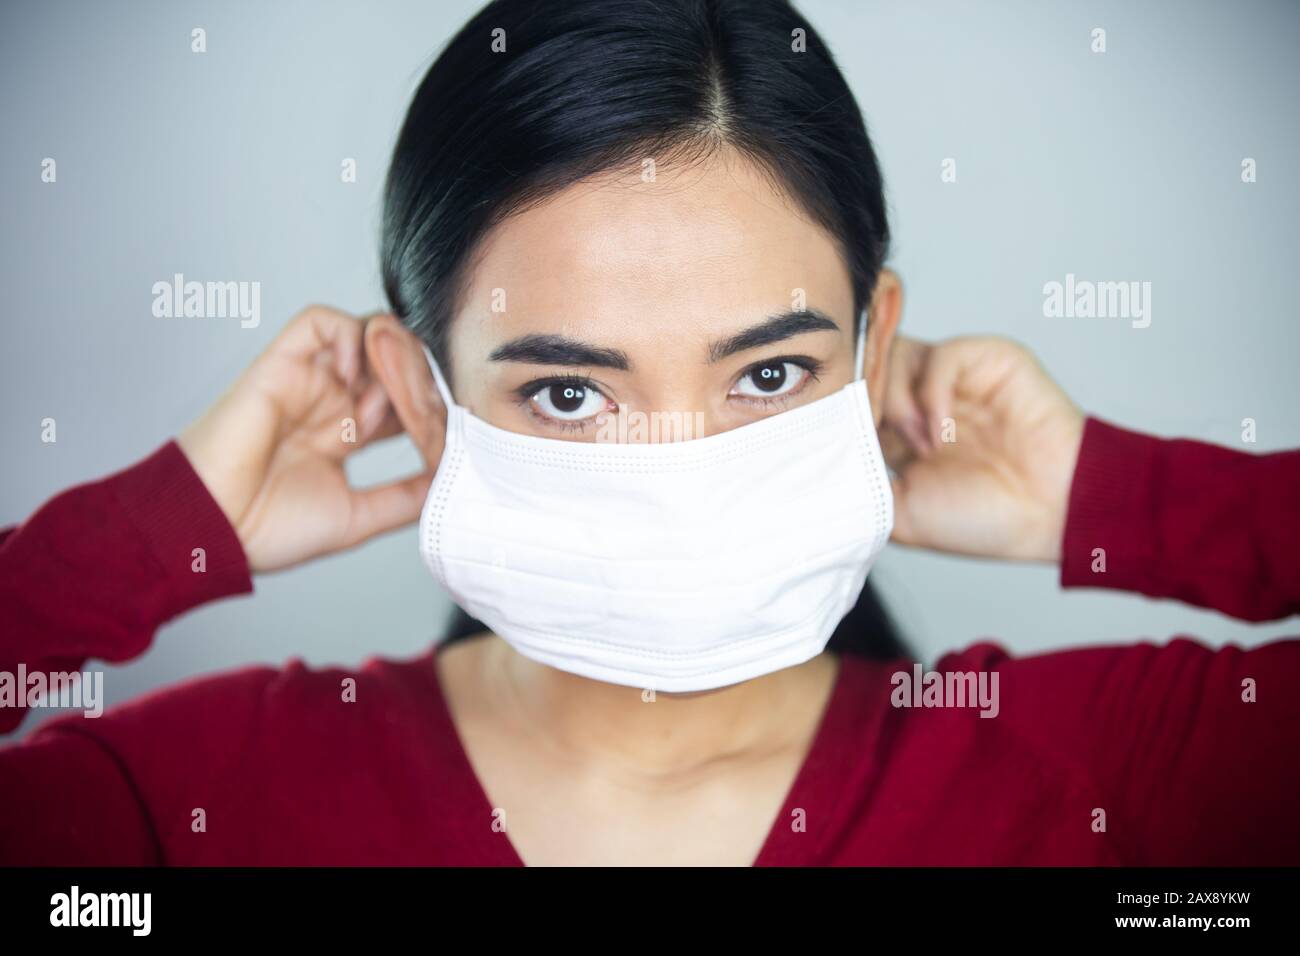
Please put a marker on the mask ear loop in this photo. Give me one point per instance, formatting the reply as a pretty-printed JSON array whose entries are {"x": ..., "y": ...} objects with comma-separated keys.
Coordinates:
[
  {"x": 443, "y": 389},
  {"x": 860, "y": 354},
  {"x": 861, "y": 349}
]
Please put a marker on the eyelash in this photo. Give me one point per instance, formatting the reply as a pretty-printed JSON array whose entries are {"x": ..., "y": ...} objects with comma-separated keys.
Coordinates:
[
  {"x": 811, "y": 366},
  {"x": 523, "y": 395}
]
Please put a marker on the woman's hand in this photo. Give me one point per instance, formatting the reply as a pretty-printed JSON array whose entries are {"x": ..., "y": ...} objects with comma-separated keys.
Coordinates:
[
  {"x": 271, "y": 450},
  {"x": 983, "y": 445}
]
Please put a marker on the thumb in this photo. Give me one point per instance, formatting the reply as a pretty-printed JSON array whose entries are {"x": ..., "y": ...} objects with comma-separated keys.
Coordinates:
[
  {"x": 387, "y": 507},
  {"x": 903, "y": 532}
]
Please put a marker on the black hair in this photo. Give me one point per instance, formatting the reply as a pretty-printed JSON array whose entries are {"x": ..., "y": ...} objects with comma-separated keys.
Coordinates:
[{"x": 532, "y": 96}]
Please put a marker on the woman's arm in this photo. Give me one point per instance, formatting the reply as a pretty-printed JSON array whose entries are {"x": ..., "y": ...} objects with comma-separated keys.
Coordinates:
[
  {"x": 1190, "y": 748},
  {"x": 97, "y": 569},
  {"x": 1182, "y": 754},
  {"x": 257, "y": 484},
  {"x": 1175, "y": 518},
  {"x": 993, "y": 460},
  {"x": 93, "y": 573}
]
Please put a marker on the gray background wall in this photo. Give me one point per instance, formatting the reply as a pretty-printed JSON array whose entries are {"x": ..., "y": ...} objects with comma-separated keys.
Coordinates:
[{"x": 225, "y": 165}]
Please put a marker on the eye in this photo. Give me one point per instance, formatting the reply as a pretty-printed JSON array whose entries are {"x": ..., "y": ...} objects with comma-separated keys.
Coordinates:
[
  {"x": 771, "y": 379},
  {"x": 568, "y": 401}
]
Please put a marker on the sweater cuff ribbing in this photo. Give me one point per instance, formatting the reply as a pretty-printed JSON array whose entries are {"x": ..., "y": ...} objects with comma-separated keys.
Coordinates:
[
  {"x": 166, "y": 500},
  {"x": 1109, "y": 540}
]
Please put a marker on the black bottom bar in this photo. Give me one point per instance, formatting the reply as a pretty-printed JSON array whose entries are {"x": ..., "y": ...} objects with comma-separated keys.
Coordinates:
[{"x": 653, "y": 906}]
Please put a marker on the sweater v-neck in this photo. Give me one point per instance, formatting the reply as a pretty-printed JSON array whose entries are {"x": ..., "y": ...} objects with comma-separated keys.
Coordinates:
[{"x": 811, "y": 794}]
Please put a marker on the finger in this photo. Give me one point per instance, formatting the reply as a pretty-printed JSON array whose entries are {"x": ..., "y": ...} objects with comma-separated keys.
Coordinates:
[
  {"x": 909, "y": 352},
  {"x": 898, "y": 449},
  {"x": 390, "y": 426},
  {"x": 901, "y": 408},
  {"x": 938, "y": 385},
  {"x": 902, "y": 532},
  {"x": 912, "y": 429},
  {"x": 320, "y": 328},
  {"x": 387, "y": 507}
]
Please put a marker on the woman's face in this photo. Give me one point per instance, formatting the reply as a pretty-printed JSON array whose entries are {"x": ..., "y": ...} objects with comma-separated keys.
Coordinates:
[{"x": 702, "y": 298}]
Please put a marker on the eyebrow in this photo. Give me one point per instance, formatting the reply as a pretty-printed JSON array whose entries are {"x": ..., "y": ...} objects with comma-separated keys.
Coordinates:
[
  {"x": 776, "y": 328},
  {"x": 559, "y": 350},
  {"x": 562, "y": 350}
]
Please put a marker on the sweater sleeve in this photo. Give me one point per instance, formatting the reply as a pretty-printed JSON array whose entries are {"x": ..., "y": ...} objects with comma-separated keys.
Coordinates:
[
  {"x": 1184, "y": 748},
  {"x": 93, "y": 574},
  {"x": 97, "y": 569},
  {"x": 1175, "y": 518}
]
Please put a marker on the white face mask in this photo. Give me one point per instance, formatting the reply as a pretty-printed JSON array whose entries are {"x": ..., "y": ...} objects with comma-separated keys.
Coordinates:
[{"x": 677, "y": 566}]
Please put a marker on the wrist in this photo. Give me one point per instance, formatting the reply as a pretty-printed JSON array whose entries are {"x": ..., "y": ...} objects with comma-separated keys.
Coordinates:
[
  {"x": 228, "y": 448},
  {"x": 1058, "y": 511},
  {"x": 194, "y": 445}
]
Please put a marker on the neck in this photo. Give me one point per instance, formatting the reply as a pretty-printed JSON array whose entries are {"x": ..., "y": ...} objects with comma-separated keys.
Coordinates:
[{"x": 667, "y": 735}]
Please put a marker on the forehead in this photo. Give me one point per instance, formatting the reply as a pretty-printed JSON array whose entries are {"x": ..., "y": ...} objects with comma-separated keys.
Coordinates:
[{"x": 710, "y": 244}]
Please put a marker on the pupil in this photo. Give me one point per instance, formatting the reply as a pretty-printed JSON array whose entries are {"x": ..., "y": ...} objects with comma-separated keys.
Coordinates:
[
  {"x": 770, "y": 378},
  {"x": 568, "y": 398}
]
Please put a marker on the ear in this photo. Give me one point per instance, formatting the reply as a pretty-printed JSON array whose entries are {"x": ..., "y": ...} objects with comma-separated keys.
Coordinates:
[
  {"x": 395, "y": 356},
  {"x": 883, "y": 316}
]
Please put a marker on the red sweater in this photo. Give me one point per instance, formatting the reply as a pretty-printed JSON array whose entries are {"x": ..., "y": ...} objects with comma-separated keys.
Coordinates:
[{"x": 1156, "y": 736}]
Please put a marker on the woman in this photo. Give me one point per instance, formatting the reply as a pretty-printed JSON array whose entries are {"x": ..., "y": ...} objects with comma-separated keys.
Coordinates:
[{"x": 597, "y": 212}]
